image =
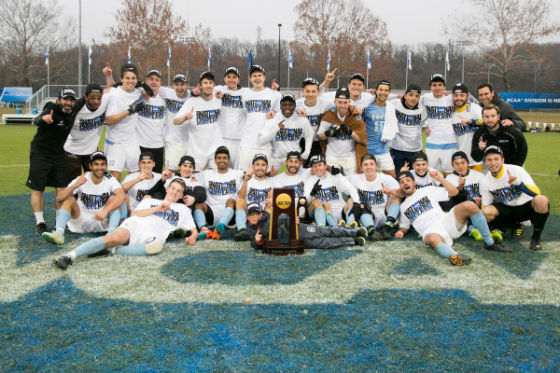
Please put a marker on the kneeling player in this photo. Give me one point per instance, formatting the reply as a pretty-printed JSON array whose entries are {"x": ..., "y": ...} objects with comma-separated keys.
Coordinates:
[
  {"x": 437, "y": 228},
  {"x": 145, "y": 232},
  {"x": 510, "y": 196},
  {"x": 90, "y": 203}
]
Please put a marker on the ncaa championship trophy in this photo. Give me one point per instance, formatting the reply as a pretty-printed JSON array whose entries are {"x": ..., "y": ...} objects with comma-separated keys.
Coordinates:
[{"x": 283, "y": 238}]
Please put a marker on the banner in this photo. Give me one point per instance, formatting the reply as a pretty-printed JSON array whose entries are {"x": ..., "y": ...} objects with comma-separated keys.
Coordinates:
[
  {"x": 529, "y": 100},
  {"x": 16, "y": 94}
]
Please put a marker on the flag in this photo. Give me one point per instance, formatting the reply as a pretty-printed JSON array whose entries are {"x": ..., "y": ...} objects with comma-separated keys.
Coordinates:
[
  {"x": 209, "y": 56},
  {"x": 47, "y": 56},
  {"x": 409, "y": 60},
  {"x": 90, "y": 53},
  {"x": 329, "y": 61},
  {"x": 290, "y": 60},
  {"x": 168, "y": 55},
  {"x": 447, "y": 64},
  {"x": 368, "y": 61},
  {"x": 250, "y": 58},
  {"x": 129, "y": 59}
]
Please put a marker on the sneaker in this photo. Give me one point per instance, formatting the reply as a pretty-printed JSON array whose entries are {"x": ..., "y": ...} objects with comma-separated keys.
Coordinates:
[
  {"x": 53, "y": 237},
  {"x": 241, "y": 235},
  {"x": 214, "y": 235},
  {"x": 458, "y": 260},
  {"x": 517, "y": 232},
  {"x": 535, "y": 244},
  {"x": 203, "y": 234},
  {"x": 362, "y": 232},
  {"x": 498, "y": 246},
  {"x": 386, "y": 232},
  {"x": 342, "y": 223},
  {"x": 179, "y": 233},
  {"x": 359, "y": 241},
  {"x": 62, "y": 262},
  {"x": 353, "y": 225},
  {"x": 40, "y": 228},
  {"x": 475, "y": 233},
  {"x": 220, "y": 229},
  {"x": 497, "y": 235},
  {"x": 374, "y": 235}
]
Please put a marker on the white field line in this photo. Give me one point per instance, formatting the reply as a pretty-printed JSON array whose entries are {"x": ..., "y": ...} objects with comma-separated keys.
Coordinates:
[{"x": 14, "y": 165}]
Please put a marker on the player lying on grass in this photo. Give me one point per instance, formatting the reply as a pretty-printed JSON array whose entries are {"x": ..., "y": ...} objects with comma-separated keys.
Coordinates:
[
  {"x": 90, "y": 203},
  {"x": 510, "y": 196},
  {"x": 145, "y": 232},
  {"x": 438, "y": 228},
  {"x": 314, "y": 237}
]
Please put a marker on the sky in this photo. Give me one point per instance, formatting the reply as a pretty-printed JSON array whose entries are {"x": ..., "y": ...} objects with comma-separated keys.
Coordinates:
[{"x": 408, "y": 21}]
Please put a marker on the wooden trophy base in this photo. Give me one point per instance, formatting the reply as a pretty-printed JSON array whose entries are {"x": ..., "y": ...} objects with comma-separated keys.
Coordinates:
[{"x": 272, "y": 247}]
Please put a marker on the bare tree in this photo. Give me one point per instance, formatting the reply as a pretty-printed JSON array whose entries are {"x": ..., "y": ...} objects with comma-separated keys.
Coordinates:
[{"x": 503, "y": 29}]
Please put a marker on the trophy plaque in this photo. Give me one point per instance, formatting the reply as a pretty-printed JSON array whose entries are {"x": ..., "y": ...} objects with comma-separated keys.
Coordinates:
[{"x": 283, "y": 238}]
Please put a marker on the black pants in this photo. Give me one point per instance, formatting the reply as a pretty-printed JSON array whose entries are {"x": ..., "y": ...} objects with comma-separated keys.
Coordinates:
[{"x": 75, "y": 163}]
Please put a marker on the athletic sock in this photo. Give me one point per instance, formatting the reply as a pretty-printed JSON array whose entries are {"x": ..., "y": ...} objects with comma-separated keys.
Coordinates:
[
  {"x": 331, "y": 220},
  {"x": 539, "y": 220},
  {"x": 240, "y": 219},
  {"x": 445, "y": 250},
  {"x": 199, "y": 218},
  {"x": 87, "y": 248},
  {"x": 393, "y": 213},
  {"x": 124, "y": 211},
  {"x": 479, "y": 222},
  {"x": 470, "y": 227},
  {"x": 227, "y": 215},
  {"x": 350, "y": 218},
  {"x": 39, "y": 217},
  {"x": 61, "y": 221},
  {"x": 137, "y": 249},
  {"x": 114, "y": 220},
  {"x": 57, "y": 212},
  {"x": 366, "y": 220},
  {"x": 320, "y": 216}
]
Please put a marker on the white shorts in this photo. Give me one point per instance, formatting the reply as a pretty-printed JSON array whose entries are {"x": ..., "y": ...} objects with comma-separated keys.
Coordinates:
[
  {"x": 139, "y": 232},
  {"x": 173, "y": 154},
  {"x": 85, "y": 223},
  {"x": 447, "y": 227},
  {"x": 440, "y": 159},
  {"x": 385, "y": 162},
  {"x": 246, "y": 156},
  {"x": 233, "y": 147},
  {"x": 348, "y": 164},
  {"x": 122, "y": 156}
]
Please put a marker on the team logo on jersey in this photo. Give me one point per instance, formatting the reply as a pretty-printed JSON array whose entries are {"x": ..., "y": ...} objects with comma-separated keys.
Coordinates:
[
  {"x": 92, "y": 123},
  {"x": 140, "y": 193},
  {"x": 232, "y": 101},
  {"x": 315, "y": 120},
  {"x": 418, "y": 208},
  {"x": 473, "y": 191},
  {"x": 289, "y": 134},
  {"x": 258, "y": 106},
  {"x": 343, "y": 136},
  {"x": 152, "y": 111},
  {"x": 462, "y": 129},
  {"x": 298, "y": 188},
  {"x": 257, "y": 195},
  {"x": 372, "y": 197},
  {"x": 170, "y": 216},
  {"x": 173, "y": 105},
  {"x": 408, "y": 119},
  {"x": 439, "y": 112},
  {"x": 328, "y": 194},
  {"x": 207, "y": 116},
  {"x": 506, "y": 194},
  {"x": 94, "y": 201},
  {"x": 217, "y": 188}
]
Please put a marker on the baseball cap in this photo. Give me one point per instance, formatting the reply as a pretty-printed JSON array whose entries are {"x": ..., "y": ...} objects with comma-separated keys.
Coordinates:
[
  {"x": 97, "y": 155},
  {"x": 358, "y": 76},
  {"x": 180, "y": 77},
  {"x": 493, "y": 149},
  {"x": 420, "y": 156},
  {"x": 437, "y": 78},
  {"x": 254, "y": 207},
  {"x": 383, "y": 82},
  {"x": 187, "y": 159},
  {"x": 154, "y": 72},
  {"x": 67, "y": 93},
  {"x": 129, "y": 67},
  {"x": 293, "y": 154},
  {"x": 260, "y": 156},
  {"x": 342, "y": 93},
  {"x": 317, "y": 159},
  {"x": 458, "y": 155},
  {"x": 256, "y": 68},
  {"x": 404, "y": 174},
  {"x": 415, "y": 88},
  {"x": 207, "y": 75},
  {"x": 288, "y": 97},
  {"x": 460, "y": 88},
  {"x": 232, "y": 69},
  {"x": 308, "y": 81},
  {"x": 146, "y": 156},
  {"x": 93, "y": 87}
]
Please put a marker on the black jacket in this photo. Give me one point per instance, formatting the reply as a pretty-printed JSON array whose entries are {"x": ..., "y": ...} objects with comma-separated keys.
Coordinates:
[
  {"x": 509, "y": 139},
  {"x": 508, "y": 112},
  {"x": 50, "y": 138}
]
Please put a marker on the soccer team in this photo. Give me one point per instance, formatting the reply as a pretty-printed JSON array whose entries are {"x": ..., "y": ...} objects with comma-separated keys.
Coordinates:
[{"x": 202, "y": 161}]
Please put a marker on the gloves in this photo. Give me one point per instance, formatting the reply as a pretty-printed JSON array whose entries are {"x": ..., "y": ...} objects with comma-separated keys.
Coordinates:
[
  {"x": 344, "y": 129},
  {"x": 147, "y": 89},
  {"x": 135, "y": 107},
  {"x": 331, "y": 132},
  {"x": 337, "y": 170},
  {"x": 316, "y": 188},
  {"x": 356, "y": 210}
]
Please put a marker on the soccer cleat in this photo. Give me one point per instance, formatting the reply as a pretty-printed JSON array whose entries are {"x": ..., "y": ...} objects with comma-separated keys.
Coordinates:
[
  {"x": 374, "y": 235},
  {"x": 40, "y": 228},
  {"x": 342, "y": 223},
  {"x": 362, "y": 232},
  {"x": 535, "y": 244},
  {"x": 179, "y": 232},
  {"x": 359, "y": 241},
  {"x": 203, "y": 234},
  {"x": 241, "y": 235},
  {"x": 517, "y": 232},
  {"x": 62, "y": 262},
  {"x": 353, "y": 225},
  {"x": 220, "y": 229},
  {"x": 458, "y": 260},
  {"x": 53, "y": 237},
  {"x": 215, "y": 235},
  {"x": 496, "y": 235},
  {"x": 498, "y": 246},
  {"x": 475, "y": 233},
  {"x": 386, "y": 232}
]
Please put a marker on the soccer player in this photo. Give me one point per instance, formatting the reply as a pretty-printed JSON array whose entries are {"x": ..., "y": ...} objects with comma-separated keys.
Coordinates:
[
  {"x": 421, "y": 171},
  {"x": 324, "y": 196},
  {"x": 381, "y": 126},
  {"x": 260, "y": 103},
  {"x": 437, "y": 112},
  {"x": 145, "y": 232},
  {"x": 487, "y": 96},
  {"x": 466, "y": 119},
  {"x": 408, "y": 140},
  {"x": 201, "y": 114},
  {"x": 347, "y": 136},
  {"x": 510, "y": 196},
  {"x": 356, "y": 86},
  {"x": 285, "y": 131},
  {"x": 510, "y": 140},
  {"x": 137, "y": 185},
  {"x": 86, "y": 131},
  {"x": 438, "y": 229},
  {"x": 47, "y": 166},
  {"x": 379, "y": 210},
  {"x": 294, "y": 177},
  {"x": 90, "y": 203}
]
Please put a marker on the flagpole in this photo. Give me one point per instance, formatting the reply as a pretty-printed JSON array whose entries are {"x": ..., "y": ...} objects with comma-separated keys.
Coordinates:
[
  {"x": 406, "y": 69},
  {"x": 288, "y": 86},
  {"x": 367, "y": 74},
  {"x": 168, "y": 64}
]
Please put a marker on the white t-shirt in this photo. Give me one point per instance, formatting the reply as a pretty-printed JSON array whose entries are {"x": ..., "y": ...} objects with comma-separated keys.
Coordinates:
[
  {"x": 422, "y": 209},
  {"x": 438, "y": 114},
  {"x": 220, "y": 187},
  {"x": 498, "y": 190},
  {"x": 331, "y": 191},
  {"x": 232, "y": 117},
  {"x": 426, "y": 180},
  {"x": 257, "y": 190},
  {"x": 93, "y": 197},
  {"x": 151, "y": 123},
  {"x": 125, "y": 130},
  {"x": 137, "y": 192},
  {"x": 362, "y": 102},
  {"x": 409, "y": 136},
  {"x": 296, "y": 182},
  {"x": 203, "y": 132},
  {"x": 341, "y": 146},
  {"x": 189, "y": 182},
  {"x": 472, "y": 183},
  {"x": 371, "y": 192},
  {"x": 87, "y": 128},
  {"x": 257, "y": 104},
  {"x": 314, "y": 113},
  {"x": 173, "y": 134},
  {"x": 465, "y": 132},
  {"x": 287, "y": 139}
]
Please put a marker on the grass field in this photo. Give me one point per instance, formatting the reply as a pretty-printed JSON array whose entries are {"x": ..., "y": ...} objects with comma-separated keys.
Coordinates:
[{"x": 393, "y": 306}]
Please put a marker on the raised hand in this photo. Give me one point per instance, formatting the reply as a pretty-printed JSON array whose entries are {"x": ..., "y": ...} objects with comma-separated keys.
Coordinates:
[
  {"x": 107, "y": 71},
  {"x": 461, "y": 182},
  {"x": 274, "y": 85},
  {"x": 81, "y": 180},
  {"x": 270, "y": 114},
  {"x": 47, "y": 118},
  {"x": 219, "y": 95},
  {"x": 482, "y": 144},
  {"x": 281, "y": 125},
  {"x": 512, "y": 179},
  {"x": 189, "y": 115},
  {"x": 436, "y": 175},
  {"x": 507, "y": 122},
  {"x": 165, "y": 206},
  {"x": 330, "y": 76},
  {"x": 464, "y": 120},
  {"x": 302, "y": 113},
  {"x": 405, "y": 167}
]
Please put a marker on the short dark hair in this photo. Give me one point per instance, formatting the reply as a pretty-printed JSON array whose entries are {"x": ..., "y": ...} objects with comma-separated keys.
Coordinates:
[
  {"x": 222, "y": 150},
  {"x": 491, "y": 107},
  {"x": 368, "y": 156},
  {"x": 129, "y": 67},
  {"x": 485, "y": 85}
]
